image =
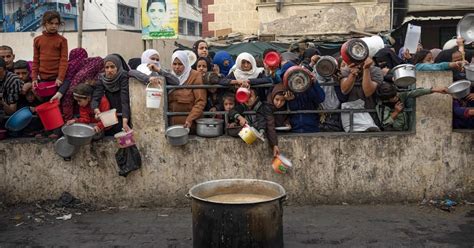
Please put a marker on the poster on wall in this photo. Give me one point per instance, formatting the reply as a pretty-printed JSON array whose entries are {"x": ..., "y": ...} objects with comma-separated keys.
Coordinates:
[{"x": 159, "y": 19}]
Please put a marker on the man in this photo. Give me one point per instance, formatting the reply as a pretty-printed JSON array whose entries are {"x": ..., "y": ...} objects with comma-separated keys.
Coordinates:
[
  {"x": 10, "y": 87},
  {"x": 6, "y": 53}
]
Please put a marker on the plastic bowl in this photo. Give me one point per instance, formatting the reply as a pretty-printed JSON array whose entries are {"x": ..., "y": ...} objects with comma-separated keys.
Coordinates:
[{"x": 19, "y": 120}]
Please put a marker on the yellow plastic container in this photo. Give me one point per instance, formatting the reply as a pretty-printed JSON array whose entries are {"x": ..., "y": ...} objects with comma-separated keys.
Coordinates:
[{"x": 249, "y": 134}]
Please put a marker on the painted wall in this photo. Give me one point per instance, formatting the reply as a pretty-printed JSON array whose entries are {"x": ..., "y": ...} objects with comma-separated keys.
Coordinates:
[
  {"x": 96, "y": 11},
  {"x": 328, "y": 168}
]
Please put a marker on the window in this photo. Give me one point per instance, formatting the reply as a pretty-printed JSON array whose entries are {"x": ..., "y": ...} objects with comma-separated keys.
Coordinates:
[
  {"x": 200, "y": 3},
  {"x": 191, "y": 28},
  {"x": 182, "y": 25},
  {"x": 191, "y": 2},
  {"x": 126, "y": 15},
  {"x": 200, "y": 29}
]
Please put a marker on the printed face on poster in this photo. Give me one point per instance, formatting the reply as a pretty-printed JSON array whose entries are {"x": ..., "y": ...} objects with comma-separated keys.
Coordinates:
[{"x": 159, "y": 19}]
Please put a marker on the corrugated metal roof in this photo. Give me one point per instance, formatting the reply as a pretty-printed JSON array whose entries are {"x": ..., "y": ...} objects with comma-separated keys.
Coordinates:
[{"x": 431, "y": 18}]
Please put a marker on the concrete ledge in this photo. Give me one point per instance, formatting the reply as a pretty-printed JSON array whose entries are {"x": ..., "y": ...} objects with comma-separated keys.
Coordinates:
[{"x": 329, "y": 168}]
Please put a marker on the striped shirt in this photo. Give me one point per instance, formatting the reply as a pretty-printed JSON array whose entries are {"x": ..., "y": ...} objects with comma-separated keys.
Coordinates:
[{"x": 10, "y": 87}]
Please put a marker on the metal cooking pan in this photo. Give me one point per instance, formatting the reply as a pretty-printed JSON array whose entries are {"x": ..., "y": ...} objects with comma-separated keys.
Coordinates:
[{"x": 465, "y": 28}]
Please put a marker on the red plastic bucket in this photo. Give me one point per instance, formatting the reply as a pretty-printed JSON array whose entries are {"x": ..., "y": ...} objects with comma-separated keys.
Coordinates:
[
  {"x": 272, "y": 59},
  {"x": 46, "y": 89},
  {"x": 50, "y": 115}
]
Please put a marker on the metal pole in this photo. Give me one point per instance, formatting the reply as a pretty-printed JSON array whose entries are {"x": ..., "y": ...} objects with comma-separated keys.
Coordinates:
[
  {"x": 392, "y": 3},
  {"x": 80, "y": 17}
]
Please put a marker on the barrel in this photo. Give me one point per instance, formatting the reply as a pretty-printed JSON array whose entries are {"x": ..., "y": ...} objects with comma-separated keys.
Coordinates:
[{"x": 237, "y": 213}]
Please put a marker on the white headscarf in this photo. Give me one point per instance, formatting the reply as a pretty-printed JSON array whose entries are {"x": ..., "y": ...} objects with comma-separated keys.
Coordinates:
[
  {"x": 183, "y": 57},
  {"x": 244, "y": 75},
  {"x": 143, "y": 67}
]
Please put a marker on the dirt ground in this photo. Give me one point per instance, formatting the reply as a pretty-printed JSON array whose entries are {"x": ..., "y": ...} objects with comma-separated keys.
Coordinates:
[{"x": 308, "y": 226}]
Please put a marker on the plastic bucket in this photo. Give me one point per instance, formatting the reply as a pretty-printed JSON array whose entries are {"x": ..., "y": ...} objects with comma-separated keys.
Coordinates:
[
  {"x": 281, "y": 164},
  {"x": 109, "y": 118},
  {"x": 46, "y": 89},
  {"x": 249, "y": 134},
  {"x": 374, "y": 43},
  {"x": 272, "y": 59},
  {"x": 153, "y": 96},
  {"x": 50, "y": 115},
  {"x": 125, "y": 139},
  {"x": 242, "y": 94}
]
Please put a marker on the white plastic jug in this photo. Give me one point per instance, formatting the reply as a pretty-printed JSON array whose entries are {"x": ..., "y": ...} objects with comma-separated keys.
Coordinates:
[
  {"x": 374, "y": 43},
  {"x": 153, "y": 96}
]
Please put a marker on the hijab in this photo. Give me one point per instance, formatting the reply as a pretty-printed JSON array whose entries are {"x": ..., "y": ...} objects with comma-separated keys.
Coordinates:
[
  {"x": 134, "y": 63},
  {"x": 145, "y": 61},
  {"x": 219, "y": 59},
  {"x": 245, "y": 75},
  {"x": 113, "y": 84},
  {"x": 435, "y": 52},
  {"x": 77, "y": 57},
  {"x": 183, "y": 57},
  {"x": 387, "y": 57}
]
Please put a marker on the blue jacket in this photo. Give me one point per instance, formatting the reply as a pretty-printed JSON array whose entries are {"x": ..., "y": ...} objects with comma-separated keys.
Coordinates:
[
  {"x": 308, "y": 100},
  {"x": 443, "y": 66}
]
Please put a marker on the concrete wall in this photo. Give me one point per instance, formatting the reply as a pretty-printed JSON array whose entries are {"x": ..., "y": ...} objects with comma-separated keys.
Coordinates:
[
  {"x": 430, "y": 5},
  {"x": 328, "y": 168},
  {"x": 299, "y": 17},
  {"x": 97, "y": 43},
  {"x": 103, "y": 14}
]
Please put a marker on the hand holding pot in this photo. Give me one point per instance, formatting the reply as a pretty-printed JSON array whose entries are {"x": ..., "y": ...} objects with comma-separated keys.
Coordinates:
[
  {"x": 354, "y": 69},
  {"x": 441, "y": 90},
  {"x": 153, "y": 67},
  {"x": 289, "y": 95},
  {"x": 368, "y": 63},
  {"x": 242, "y": 120},
  {"x": 276, "y": 151},
  {"x": 187, "y": 124},
  {"x": 70, "y": 122},
  {"x": 399, "y": 107},
  {"x": 470, "y": 97}
]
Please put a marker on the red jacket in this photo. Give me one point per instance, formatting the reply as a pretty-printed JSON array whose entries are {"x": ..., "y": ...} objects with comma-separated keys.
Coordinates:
[{"x": 86, "y": 114}]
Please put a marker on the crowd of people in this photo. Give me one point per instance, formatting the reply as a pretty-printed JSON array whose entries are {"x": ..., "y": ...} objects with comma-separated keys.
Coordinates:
[{"x": 88, "y": 86}]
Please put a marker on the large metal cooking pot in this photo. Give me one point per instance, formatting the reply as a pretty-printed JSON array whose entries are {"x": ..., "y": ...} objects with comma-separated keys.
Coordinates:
[
  {"x": 237, "y": 213},
  {"x": 354, "y": 51},
  {"x": 404, "y": 75},
  {"x": 297, "y": 79},
  {"x": 469, "y": 68},
  {"x": 326, "y": 66},
  {"x": 63, "y": 148},
  {"x": 209, "y": 127},
  {"x": 78, "y": 134},
  {"x": 177, "y": 135},
  {"x": 460, "y": 89},
  {"x": 465, "y": 28}
]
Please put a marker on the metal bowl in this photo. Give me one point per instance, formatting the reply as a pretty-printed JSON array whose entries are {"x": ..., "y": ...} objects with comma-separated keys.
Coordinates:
[
  {"x": 460, "y": 89},
  {"x": 63, "y": 148},
  {"x": 177, "y": 135},
  {"x": 78, "y": 134},
  {"x": 465, "y": 28},
  {"x": 469, "y": 68}
]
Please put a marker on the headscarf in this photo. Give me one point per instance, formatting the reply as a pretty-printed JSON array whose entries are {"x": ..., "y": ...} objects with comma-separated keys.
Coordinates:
[
  {"x": 388, "y": 57},
  {"x": 145, "y": 61},
  {"x": 219, "y": 59},
  {"x": 113, "y": 84},
  {"x": 76, "y": 62},
  {"x": 277, "y": 89},
  {"x": 134, "y": 63},
  {"x": 435, "y": 52},
  {"x": 183, "y": 57},
  {"x": 245, "y": 75},
  {"x": 146, "y": 57},
  {"x": 92, "y": 67}
]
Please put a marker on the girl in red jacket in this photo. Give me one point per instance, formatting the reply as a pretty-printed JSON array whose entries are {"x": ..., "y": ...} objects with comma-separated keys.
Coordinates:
[{"x": 83, "y": 94}]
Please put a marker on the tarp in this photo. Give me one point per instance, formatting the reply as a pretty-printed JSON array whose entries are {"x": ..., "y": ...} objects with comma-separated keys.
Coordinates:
[{"x": 254, "y": 48}]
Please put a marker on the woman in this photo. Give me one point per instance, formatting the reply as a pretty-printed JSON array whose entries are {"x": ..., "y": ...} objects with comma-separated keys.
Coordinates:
[
  {"x": 114, "y": 85},
  {"x": 423, "y": 61},
  {"x": 201, "y": 49},
  {"x": 224, "y": 61},
  {"x": 89, "y": 72},
  {"x": 149, "y": 69},
  {"x": 455, "y": 56},
  {"x": 185, "y": 100},
  {"x": 246, "y": 73},
  {"x": 386, "y": 59},
  {"x": 77, "y": 58}
]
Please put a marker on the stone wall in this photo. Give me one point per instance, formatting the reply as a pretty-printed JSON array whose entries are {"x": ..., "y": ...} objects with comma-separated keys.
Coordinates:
[
  {"x": 298, "y": 18},
  {"x": 328, "y": 168}
]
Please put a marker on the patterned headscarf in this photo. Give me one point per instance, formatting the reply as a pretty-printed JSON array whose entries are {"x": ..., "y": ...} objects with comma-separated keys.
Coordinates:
[
  {"x": 77, "y": 57},
  {"x": 91, "y": 70}
]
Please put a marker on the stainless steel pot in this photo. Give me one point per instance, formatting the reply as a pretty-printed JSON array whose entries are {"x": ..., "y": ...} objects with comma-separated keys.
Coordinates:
[
  {"x": 460, "y": 89},
  {"x": 469, "y": 68},
  {"x": 63, "y": 148},
  {"x": 404, "y": 75},
  {"x": 465, "y": 28},
  {"x": 78, "y": 134},
  {"x": 177, "y": 135},
  {"x": 209, "y": 127},
  {"x": 326, "y": 66},
  {"x": 247, "y": 212}
]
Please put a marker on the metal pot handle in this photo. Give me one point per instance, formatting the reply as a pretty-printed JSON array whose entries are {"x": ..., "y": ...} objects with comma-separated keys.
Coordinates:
[
  {"x": 284, "y": 198},
  {"x": 187, "y": 196},
  {"x": 211, "y": 125}
]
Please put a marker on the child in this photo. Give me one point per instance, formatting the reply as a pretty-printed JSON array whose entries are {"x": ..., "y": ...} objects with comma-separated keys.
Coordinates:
[
  {"x": 277, "y": 99},
  {"x": 22, "y": 70},
  {"x": 263, "y": 120},
  {"x": 50, "y": 54},
  {"x": 390, "y": 110},
  {"x": 83, "y": 94}
]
